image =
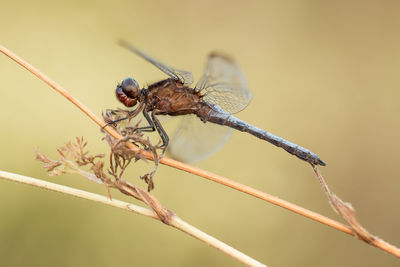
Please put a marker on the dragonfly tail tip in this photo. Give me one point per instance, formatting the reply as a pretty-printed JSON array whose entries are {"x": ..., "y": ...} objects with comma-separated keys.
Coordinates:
[{"x": 321, "y": 162}]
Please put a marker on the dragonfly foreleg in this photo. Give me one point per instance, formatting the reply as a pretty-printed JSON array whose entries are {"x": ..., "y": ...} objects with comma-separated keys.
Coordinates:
[{"x": 131, "y": 114}]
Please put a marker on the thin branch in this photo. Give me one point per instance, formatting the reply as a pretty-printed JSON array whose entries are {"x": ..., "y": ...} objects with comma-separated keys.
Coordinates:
[
  {"x": 175, "y": 221},
  {"x": 191, "y": 169},
  {"x": 176, "y": 164}
]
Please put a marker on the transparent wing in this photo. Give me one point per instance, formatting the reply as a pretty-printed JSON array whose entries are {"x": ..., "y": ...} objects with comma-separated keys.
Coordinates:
[
  {"x": 195, "y": 140},
  {"x": 184, "y": 76},
  {"x": 224, "y": 84}
]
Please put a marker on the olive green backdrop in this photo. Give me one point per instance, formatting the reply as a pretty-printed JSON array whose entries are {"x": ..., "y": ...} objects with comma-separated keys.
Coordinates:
[{"x": 324, "y": 75}]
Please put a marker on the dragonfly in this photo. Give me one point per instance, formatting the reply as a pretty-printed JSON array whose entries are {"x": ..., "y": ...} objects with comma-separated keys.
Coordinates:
[{"x": 220, "y": 92}]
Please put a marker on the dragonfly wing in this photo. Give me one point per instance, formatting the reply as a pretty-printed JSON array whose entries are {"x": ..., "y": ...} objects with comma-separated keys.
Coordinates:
[
  {"x": 184, "y": 76},
  {"x": 224, "y": 84},
  {"x": 195, "y": 140}
]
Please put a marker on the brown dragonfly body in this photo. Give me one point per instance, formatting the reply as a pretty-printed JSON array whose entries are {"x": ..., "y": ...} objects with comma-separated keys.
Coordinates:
[
  {"x": 168, "y": 97},
  {"x": 219, "y": 93}
]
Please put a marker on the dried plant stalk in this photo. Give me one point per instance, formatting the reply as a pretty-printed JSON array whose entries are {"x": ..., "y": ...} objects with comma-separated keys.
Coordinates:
[
  {"x": 179, "y": 165},
  {"x": 175, "y": 221},
  {"x": 73, "y": 156}
]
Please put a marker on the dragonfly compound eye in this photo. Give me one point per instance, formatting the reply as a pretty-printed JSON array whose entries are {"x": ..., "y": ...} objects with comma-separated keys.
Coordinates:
[
  {"x": 130, "y": 87},
  {"x": 128, "y": 92}
]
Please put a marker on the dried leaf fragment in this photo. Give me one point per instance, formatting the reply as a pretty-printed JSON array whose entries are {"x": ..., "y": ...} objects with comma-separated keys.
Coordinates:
[{"x": 345, "y": 210}]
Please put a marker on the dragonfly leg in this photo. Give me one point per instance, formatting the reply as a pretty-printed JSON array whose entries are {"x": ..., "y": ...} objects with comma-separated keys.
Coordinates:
[
  {"x": 151, "y": 127},
  {"x": 154, "y": 124},
  {"x": 132, "y": 114},
  {"x": 115, "y": 121},
  {"x": 161, "y": 131}
]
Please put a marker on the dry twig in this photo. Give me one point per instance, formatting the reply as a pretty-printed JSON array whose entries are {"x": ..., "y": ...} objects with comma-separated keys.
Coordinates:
[
  {"x": 175, "y": 221},
  {"x": 73, "y": 156},
  {"x": 179, "y": 165}
]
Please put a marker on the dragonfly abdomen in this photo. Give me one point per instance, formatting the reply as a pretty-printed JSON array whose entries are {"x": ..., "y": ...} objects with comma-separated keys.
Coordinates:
[{"x": 219, "y": 116}]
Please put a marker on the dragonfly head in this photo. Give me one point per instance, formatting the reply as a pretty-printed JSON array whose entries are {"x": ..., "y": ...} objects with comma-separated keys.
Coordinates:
[{"x": 128, "y": 92}]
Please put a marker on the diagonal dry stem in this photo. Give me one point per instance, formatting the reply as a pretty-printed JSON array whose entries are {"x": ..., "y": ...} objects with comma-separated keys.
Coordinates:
[
  {"x": 174, "y": 220},
  {"x": 191, "y": 169}
]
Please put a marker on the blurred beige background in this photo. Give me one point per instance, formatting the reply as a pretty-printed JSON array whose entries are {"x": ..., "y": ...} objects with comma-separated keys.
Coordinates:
[{"x": 324, "y": 75}]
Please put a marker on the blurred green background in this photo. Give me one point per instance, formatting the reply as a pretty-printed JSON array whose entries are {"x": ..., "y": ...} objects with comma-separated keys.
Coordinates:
[{"x": 324, "y": 75}]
